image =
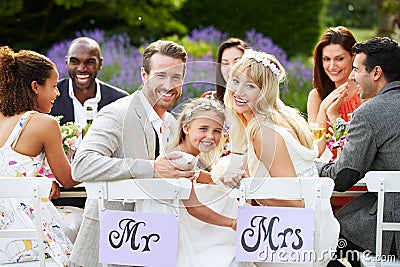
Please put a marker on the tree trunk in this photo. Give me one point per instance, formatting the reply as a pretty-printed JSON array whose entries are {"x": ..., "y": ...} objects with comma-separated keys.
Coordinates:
[{"x": 385, "y": 20}]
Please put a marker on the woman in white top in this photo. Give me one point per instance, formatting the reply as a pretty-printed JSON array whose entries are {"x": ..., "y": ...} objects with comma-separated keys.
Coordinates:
[{"x": 279, "y": 141}]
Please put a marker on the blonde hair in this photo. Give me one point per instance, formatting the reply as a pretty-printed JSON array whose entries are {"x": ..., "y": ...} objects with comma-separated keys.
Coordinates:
[
  {"x": 262, "y": 69},
  {"x": 194, "y": 109}
]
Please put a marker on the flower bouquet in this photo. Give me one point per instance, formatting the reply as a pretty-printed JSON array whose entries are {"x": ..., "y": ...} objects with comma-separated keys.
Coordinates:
[
  {"x": 70, "y": 134},
  {"x": 337, "y": 136}
]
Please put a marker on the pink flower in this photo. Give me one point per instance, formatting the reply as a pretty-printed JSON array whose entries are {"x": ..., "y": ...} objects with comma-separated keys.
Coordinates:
[{"x": 339, "y": 137}]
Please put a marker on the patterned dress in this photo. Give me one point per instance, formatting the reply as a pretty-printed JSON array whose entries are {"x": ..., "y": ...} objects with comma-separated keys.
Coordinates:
[{"x": 18, "y": 213}]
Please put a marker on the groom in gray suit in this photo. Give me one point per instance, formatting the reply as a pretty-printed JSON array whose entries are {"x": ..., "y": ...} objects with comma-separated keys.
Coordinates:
[
  {"x": 374, "y": 144},
  {"x": 126, "y": 138}
]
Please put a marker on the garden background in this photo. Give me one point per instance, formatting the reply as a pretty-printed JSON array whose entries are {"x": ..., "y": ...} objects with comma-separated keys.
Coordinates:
[{"x": 289, "y": 29}]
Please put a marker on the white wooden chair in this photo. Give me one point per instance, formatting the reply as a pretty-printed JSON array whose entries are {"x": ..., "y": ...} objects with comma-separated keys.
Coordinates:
[
  {"x": 34, "y": 188},
  {"x": 382, "y": 182},
  {"x": 135, "y": 189},
  {"x": 311, "y": 190}
]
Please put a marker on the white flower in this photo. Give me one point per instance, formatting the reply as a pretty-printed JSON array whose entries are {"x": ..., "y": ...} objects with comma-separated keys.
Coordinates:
[
  {"x": 70, "y": 134},
  {"x": 258, "y": 56},
  {"x": 188, "y": 113}
]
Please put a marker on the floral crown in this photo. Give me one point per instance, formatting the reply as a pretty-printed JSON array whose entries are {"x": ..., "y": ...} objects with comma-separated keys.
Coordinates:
[
  {"x": 258, "y": 56},
  {"x": 205, "y": 106}
]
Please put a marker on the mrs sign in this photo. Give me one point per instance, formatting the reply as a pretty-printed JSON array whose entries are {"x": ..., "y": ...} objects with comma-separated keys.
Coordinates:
[{"x": 274, "y": 234}]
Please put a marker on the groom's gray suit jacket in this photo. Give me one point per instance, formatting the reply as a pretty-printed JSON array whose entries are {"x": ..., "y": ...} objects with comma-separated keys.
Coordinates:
[
  {"x": 374, "y": 144},
  {"x": 119, "y": 145}
]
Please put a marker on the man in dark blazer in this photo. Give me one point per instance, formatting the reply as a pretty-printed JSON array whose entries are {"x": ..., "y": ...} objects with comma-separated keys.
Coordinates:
[
  {"x": 83, "y": 61},
  {"x": 374, "y": 144},
  {"x": 80, "y": 90},
  {"x": 63, "y": 105}
]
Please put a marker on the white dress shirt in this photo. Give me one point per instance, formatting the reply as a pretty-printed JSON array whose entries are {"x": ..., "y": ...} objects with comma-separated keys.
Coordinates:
[
  {"x": 79, "y": 109},
  {"x": 159, "y": 124}
]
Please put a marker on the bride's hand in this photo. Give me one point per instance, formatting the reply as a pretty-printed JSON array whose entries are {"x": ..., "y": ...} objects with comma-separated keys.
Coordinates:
[{"x": 232, "y": 179}]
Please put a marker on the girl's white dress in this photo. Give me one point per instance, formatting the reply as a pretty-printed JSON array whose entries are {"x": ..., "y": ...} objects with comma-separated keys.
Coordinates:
[
  {"x": 303, "y": 162},
  {"x": 18, "y": 213},
  {"x": 202, "y": 244}
]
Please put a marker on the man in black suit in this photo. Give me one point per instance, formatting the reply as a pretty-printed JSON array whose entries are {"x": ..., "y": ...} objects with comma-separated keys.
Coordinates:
[{"x": 82, "y": 89}]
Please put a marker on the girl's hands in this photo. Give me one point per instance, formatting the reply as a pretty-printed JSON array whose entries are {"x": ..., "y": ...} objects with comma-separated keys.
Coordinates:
[
  {"x": 234, "y": 224},
  {"x": 55, "y": 191}
]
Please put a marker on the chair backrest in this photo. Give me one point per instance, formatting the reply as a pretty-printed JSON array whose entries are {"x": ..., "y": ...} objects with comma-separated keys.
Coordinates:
[
  {"x": 311, "y": 190},
  {"x": 29, "y": 187},
  {"x": 383, "y": 182},
  {"x": 135, "y": 189},
  {"x": 144, "y": 188}
]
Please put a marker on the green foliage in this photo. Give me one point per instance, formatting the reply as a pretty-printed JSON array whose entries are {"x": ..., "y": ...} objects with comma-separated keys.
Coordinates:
[
  {"x": 10, "y": 7},
  {"x": 296, "y": 95},
  {"x": 391, "y": 6},
  {"x": 363, "y": 34},
  {"x": 292, "y": 24},
  {"x": 68, "y": 4},
  {"x": 37, "y": 24},
  {"x": 194, "y": 49},
  {"x": 350, "y": 13},
  {"x": 295, "y": 92}
]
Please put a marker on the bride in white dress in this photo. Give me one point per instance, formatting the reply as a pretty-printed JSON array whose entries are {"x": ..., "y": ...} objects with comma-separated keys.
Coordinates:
[{"x": 279, "y": 141}]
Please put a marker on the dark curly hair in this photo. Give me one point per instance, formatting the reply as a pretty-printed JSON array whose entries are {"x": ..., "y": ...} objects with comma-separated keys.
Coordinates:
[{"x": 17, "y": 72}]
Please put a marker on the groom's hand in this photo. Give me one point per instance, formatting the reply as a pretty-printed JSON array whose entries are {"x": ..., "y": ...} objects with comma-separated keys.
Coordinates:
[{"x": 173, "y": 165}]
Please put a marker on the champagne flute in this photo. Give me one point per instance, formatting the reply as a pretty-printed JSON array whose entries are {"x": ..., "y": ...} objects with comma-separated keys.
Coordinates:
[{"x": 318, "y": 130}]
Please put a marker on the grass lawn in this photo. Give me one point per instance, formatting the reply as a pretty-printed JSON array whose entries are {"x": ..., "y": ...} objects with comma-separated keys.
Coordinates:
[{"x": 363, "y": 34}]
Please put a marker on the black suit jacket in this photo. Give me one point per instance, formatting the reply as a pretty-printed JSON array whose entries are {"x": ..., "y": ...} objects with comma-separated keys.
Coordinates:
[{"x": 63, "y": 104}]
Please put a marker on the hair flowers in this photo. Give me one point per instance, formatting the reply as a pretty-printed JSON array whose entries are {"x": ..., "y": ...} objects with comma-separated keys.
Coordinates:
[
  {"x": 206, "y": 106},
  {"x": 259, "y": 57}
]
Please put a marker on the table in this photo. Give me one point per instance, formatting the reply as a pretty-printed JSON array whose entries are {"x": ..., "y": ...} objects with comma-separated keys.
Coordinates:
[
  {"x": 351, "y": 193},
  {"x": 68, "y": 194}
]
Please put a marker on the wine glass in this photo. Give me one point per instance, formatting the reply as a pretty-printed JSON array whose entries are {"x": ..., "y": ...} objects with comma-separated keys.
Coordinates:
[{"x": 318, "y": 130}]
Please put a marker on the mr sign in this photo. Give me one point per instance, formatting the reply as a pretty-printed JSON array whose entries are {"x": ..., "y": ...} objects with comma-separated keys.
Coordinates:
[
  {"x": 275, "y": 234},
  {"x": 134, "y": 238}
]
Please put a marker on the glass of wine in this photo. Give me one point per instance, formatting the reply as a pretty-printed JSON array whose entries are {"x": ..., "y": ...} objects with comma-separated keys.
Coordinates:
[{"x": 318, "y": 130}]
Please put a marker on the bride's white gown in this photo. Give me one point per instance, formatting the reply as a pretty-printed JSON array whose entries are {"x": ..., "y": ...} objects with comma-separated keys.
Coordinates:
[{"x": 303, "y": 162}]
